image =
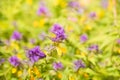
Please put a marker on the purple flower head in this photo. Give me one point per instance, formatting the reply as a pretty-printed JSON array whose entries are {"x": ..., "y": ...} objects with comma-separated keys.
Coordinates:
[
  {"x": 78, "y": 64},
  {"x": 14, "y": 61},
  {"x": 83, "y": 38},
  {"x": 57, "y": 66},
  {"x": 16, "y": 35},
  {"x": 81, "y": 10},
  {"x": 43, "y": 10},
  {"x": 74, "y": 4},
  {"x": 93, "y": 47},
  {"x": 92, "y": 15},
  {"x": 104, "y": 3},
  {"x": 59, "y": 32},
  {"x": 35, "y": 54},
  {"x": 118, "y": 41}
]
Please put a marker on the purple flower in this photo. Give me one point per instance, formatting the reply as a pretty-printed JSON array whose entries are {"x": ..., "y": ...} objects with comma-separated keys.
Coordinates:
[
  {"x": 35, "y": 54},
  {"x": 83, "y": 38},
  {"x": 118, "y": 41},
  {"x": 78, "y": 64},
  {"x": 14, "y": 61},
  {"x": 43, "y": 10},
  {"x": 57, "y": 66},
  {"x": 93, "y": 47},
  {"x": 92, "y": 15},
  {"x": 104, "y": 3},
  {"x": 59, "y": 32},
  {"x": 74, "y": 4},
  {"x": 16, "y": 35}
]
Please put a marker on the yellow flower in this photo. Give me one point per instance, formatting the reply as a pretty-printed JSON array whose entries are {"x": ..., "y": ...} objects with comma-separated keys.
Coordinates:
[
  {"x": 19, "y": 56},
  {"x": 83, "y": 54},
  {"x": 63, "y": 3},
  {"x": 14, "y": 45},
  {"x": 82, "y": 20},
  {"x": 30, "y": 71},
  {"x": 19, "y": 73},
  {"x": 29, "y": 2},
  {"x": 110, "y": 6},
  {"x": 86, "y": 75},
  {"x": 36, "y": 71},
  {"x": 59, "y": 75},
  {"x": 87, "y": 28},
  {"x": 32, "y": 77},
  {"x": 69, "y": 28},
  {"x": 71, "y": 78},
  {"x": 14, "y": 70},
  {"x": 42, "y": 22},
  {"x": 119, "y": 50},
  {"x": 35, "y": 23},
  {"x": 101, "y": 14},
  {"x": 56, "y": 2},
  {"x": 61, "y": 50}
]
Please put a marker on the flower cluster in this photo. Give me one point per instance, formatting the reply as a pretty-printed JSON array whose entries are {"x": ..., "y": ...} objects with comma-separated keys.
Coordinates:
[
  {"x": 14, "y": 61},
  {"x": 57, "y": 66},
  {"x": 59, "y": 32},
  {"x": 78, "y": 64},
  {"x": 16, "y": 35},
  {"x": 35, "y": 54}
]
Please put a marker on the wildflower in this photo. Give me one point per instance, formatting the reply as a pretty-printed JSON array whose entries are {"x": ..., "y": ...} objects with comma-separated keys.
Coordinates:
[
  {"x": 78, "y": 64},
  {"x": 71, "y": 78},
  {"x": 42, "y": 22},
  {"x": 57, "y": 66},
  {"x": 74, "y": 4},
  {"x": 36, "y": 71},
  {"x": 59, "y": 32},
  {"x": 14, "y": 61},
  {"x": 19, "y": 73},
  {"x": 43, "y": 10},
  {"x": 16, "y": 35},
  {"x": 62, "y": 3},
  {"x": 35, "y": 54},
  {"x": 118, "y": 41},
  {"x": 93, "y": 47},
  {"x": 59, "y": 75},
  {"x": 83, "y": 38},
  {"x": 29, "y": 2},
  {"x": 92, "y": 15},
  {"x": 14, "y": 70},
  {"x": 85, "y": 75},
  {"x": 35, "y": 23},
  {"x": 104, "y": 3}
]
